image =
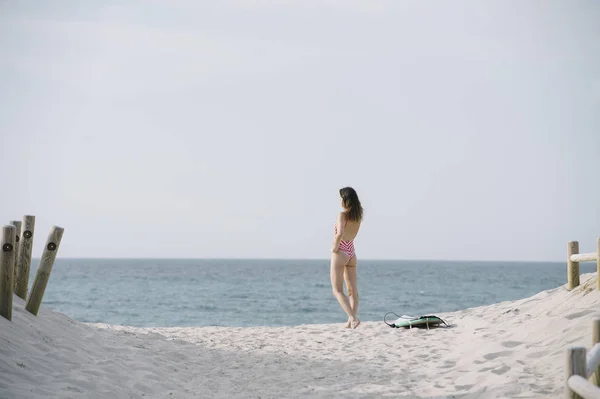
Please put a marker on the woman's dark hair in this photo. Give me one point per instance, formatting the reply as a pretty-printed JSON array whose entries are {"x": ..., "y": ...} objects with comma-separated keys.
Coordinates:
[{"x": 351, "y": 203}]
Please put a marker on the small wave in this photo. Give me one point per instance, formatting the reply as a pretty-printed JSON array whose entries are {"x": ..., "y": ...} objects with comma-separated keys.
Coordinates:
[
  {"x": 202, "y": 307},
  {"x": 58, "y": 303},
  {"x": 239, "y": 296}
]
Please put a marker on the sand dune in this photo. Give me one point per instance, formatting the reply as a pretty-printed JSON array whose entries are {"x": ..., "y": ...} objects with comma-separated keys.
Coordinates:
[{"x": 508, "y": 350}]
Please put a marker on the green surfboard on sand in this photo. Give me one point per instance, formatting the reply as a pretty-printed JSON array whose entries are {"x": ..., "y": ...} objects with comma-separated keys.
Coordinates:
[{"x": 410, "y": 321}]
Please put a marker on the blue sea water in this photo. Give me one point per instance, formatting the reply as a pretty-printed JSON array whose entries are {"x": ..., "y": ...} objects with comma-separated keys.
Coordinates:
[{"x": 252, "y": 292}]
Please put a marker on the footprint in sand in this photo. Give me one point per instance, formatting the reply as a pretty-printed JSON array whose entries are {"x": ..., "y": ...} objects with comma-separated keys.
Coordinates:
[
  {"x": 463, "y": 387},
  {"x": 511, "y": 344},
  {"x": 537, "y": 355},
  {"x": 447, "y": 364},
  {"x": 492, "y": 356},
  {"x": 579, "y": 314},
  {"x": 501, "y": 370}
]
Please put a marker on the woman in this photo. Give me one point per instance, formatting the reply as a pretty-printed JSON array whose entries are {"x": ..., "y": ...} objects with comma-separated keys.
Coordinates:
[{"x": 343, "y": 257}]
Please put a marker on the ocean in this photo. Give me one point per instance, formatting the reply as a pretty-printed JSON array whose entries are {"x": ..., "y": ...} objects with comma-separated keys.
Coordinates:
[{"x": 254, "y": 292}]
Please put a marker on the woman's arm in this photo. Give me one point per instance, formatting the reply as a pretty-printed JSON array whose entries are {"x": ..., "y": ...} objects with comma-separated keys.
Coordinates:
[{"x": 340, "y": 230}]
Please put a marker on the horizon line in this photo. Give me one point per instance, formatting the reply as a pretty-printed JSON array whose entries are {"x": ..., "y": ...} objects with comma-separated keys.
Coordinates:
[{"x": 302, "y": 259}]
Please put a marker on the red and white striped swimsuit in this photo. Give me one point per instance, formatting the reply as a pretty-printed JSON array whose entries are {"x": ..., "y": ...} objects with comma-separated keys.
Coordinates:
[{"x": 346, "y": 247}]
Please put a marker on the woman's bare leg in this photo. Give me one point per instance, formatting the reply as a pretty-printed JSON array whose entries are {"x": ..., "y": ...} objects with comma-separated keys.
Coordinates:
[
  {"x": 351, "y": 284},
  {"x": 338, "y": 261},
  {"x": 350, "y": 295},
  {"x": 349, "y": 289}
]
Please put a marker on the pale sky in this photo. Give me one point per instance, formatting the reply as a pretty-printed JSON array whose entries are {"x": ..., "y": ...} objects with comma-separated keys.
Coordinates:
[{"x": 197, "y": 129}]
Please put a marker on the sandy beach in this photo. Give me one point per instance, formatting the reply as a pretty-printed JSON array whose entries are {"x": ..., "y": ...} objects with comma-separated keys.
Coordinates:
[
  {"x": 508, "y": 350},
  {"x": 189, "y": 186}
]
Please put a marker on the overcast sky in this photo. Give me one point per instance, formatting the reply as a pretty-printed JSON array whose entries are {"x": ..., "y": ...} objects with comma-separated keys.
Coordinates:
[{"x": 470, "y": 129}]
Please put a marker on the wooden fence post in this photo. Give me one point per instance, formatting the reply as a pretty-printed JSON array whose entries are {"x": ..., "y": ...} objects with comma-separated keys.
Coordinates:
[
  {"x": 598, "y": 267},
  {"x": 24, "y": 256},
  {"x": 572, "y": 267},
  {"x": 7, "y": 273},
  {"x": 17, "y": 224},
  {"x": 43, "y": 272},
  {"x": 576, "y": 358},
  {"x": 596, "y": 339}
]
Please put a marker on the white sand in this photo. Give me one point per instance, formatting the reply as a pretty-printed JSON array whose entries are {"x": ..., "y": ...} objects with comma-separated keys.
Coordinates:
[{"x": 508, "y": 350}]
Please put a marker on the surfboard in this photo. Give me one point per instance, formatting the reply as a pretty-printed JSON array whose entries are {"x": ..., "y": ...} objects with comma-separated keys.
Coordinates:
[{"x": 421, "y": 321}]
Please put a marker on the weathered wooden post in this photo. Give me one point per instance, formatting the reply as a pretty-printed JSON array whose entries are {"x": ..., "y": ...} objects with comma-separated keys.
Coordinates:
[
  {"x": 7, "y": 273},
  {"x": 17, "y": 224},
  {"x": 596, "y": 339},
  {"x": 598, "y": 268},
  {"x": 43, "y": 272},
  {"x": 576, "y": 358},
  {"x": 572, "y": 267},
  {"x": 24, "y": 256}
]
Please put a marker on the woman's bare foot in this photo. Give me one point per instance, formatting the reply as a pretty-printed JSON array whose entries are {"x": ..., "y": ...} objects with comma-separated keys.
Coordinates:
[
  {"x": 348, "y": 324},
  {"x": 355, "y": 323}
]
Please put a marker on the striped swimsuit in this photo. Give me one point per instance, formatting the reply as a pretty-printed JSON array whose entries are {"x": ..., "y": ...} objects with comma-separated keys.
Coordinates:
[{"x": 346, "y": 247}]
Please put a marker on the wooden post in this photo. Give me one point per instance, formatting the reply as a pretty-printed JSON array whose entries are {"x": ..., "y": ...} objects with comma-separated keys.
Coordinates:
[
  {"x": 43, "y": 272},
  {"x": 584, "y": 387},
  {"x": 24, "y": 256},
  {"x": 596, "y": 339},
  {"x": 7, "y": 272},
  {"x": 576, "y": 358},
  {"x": 17, "y": 224},
  {"x": 572, "y": 267},
  {"x": 598, "y": 269}
]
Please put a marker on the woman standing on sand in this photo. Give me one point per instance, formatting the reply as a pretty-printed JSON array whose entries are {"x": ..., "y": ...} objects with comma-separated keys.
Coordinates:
[{"x": 343, "y": 257}]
